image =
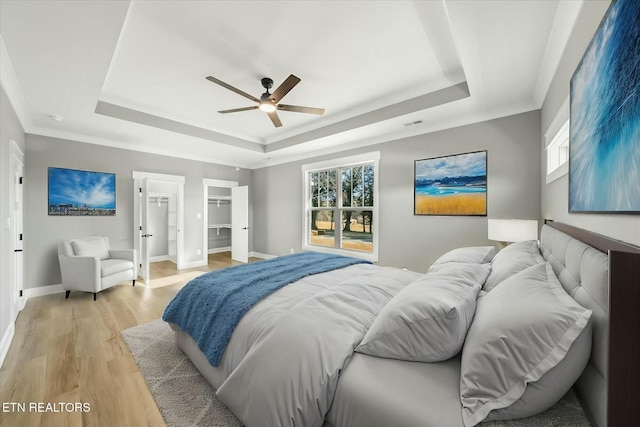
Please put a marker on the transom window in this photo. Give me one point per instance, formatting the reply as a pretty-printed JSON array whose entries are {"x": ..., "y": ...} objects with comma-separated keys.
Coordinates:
[
  {"x": 341, "y": 206},
  {"x": 557, "y": 144},
  {"x": 558, "y": 149}
]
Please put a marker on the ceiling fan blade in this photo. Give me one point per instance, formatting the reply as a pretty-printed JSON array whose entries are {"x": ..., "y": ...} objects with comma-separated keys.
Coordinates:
[
  {"x": 235, "y": 110},
  {"x": 299, "y": 109},
  {"x": 275, "y": 119},
  {"x": 284, "y": 88},
  {"x": 233, "y": 89}
]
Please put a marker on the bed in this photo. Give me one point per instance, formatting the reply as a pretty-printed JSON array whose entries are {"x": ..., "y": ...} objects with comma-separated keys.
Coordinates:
[{"x": 355, "y": 346}]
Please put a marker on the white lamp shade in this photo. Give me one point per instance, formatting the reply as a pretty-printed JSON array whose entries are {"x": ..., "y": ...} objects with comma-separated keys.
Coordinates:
[{"x": 513, "y": 230}]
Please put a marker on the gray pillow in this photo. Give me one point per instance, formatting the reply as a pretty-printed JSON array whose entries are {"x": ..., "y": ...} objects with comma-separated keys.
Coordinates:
[
  {"x": 470, "y": 273},
  {"x": 428, "y": 320},
  {"x": 521, "y": 331},
  {"x": 472, "y": 254},
  {"x": 511, "y": 260},
  {"x": 91, "y": 247}
]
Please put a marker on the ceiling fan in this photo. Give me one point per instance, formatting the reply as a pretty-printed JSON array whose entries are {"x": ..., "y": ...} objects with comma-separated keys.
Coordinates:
[{"x": 269, "y": 102}]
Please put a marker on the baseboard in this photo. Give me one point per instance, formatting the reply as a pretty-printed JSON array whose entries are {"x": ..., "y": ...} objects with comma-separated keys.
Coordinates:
[
  {"x": 7, "y": 337},
  {"x": 192, "y": 264},
  {"x": 261, "y": 255},
  {"x": 42, "y": 291},
  {"x": 159, "y": 258},
  {"x": 218, "y": 250}
]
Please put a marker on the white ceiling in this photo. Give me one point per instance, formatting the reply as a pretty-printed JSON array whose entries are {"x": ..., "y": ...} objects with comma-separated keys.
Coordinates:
[{"x": 132, "y": 74}]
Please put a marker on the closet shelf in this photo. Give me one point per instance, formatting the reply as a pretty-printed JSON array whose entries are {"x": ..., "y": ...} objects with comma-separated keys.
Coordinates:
[
  {"x": 218, "y": 227},
  {"x": 219, "y": 200}
]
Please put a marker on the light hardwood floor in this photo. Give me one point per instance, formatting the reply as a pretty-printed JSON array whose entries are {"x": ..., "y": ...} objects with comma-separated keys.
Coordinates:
[{"x": 71, "y": 351}]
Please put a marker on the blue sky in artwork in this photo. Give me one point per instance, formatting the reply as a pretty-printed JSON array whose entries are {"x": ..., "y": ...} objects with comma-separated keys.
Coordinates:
[
  {"x": 80, "y": 188},
  {"x": 471, "y": 164}
]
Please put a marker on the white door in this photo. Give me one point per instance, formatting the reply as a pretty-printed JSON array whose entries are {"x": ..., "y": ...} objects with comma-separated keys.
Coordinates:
[
  {"x": 17, "y": 266},
  {"x": 240, "y": 223},
  {"x": 143, "y": 228}
]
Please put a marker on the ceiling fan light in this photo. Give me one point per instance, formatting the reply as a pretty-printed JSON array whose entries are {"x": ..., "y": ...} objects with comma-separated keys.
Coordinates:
[{"x": 267, "y": 106}]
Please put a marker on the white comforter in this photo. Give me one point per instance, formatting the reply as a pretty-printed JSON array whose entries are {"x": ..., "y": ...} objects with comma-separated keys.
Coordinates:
[{"x": 282, "y": 365}]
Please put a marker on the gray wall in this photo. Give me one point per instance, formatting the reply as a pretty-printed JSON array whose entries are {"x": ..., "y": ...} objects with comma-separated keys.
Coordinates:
[
  {"x": 10, "y": 129},
  {"x": 407, "y": 240},
  {"x": 555, "y": 195},
  {"x": 45, "y": 232}
]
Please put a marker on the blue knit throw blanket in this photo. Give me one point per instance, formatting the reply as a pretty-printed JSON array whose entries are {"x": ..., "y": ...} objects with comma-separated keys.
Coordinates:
[{"x": 210, "y": 306}]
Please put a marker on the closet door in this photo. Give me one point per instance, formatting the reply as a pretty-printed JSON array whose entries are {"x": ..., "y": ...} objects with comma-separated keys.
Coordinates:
[
  {"x": 240, "y": 223},
  {"x": 143, "y": 227}
]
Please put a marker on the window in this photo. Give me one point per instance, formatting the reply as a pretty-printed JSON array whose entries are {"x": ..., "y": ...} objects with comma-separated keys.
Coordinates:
[
  {"x": 557, "y": 145},
  {"x": 341, "y": 206}
]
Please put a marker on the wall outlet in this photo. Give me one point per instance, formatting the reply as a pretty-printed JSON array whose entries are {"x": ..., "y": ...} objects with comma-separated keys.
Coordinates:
[
  {"x": 291, "y": 250},
  {"x": 199, "y": 252}
]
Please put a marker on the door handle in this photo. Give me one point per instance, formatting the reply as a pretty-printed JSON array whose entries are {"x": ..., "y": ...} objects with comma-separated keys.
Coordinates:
[
  {"x": 147, "y": 235},
  {"x": 17, "y": 250},
  {"x": 245, "y": 228}
]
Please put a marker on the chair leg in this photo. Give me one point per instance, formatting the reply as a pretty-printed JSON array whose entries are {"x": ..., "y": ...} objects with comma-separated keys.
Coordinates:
[
  {"x": 94, "y": 295},
  {"x": 66, "y": 294},
  {"x": 134, "y": 282}
]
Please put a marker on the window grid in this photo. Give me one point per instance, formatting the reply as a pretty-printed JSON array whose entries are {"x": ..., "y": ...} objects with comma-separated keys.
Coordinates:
[{"x": 340, "y": 208}]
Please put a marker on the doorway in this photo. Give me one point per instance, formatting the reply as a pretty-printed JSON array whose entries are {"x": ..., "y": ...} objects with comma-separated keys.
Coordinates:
[
  {"x": 226, "y": 219},
  {"x": 159, "y": 219}
]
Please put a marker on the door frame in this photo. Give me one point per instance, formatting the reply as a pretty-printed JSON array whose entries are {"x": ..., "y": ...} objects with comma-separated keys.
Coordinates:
[
  {"x": 180, "y": 180},
  {"x": 206, "y": 183},
  {"x": 16, "y": 197}
]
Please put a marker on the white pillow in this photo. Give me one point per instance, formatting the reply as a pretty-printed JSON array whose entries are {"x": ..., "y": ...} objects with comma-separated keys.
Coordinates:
[
  {"x": 91, "y": 247},
  {"x": 522, "y": 329},
  {"x": 426, "y": 321},
  {"x": 511, "y": 260},
  {"x": 472, "y": 254},
  {"x": 471, "y": 273}
]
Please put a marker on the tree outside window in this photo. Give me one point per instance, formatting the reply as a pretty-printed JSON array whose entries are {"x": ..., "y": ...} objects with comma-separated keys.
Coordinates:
[{"x": 341, "y": 211}]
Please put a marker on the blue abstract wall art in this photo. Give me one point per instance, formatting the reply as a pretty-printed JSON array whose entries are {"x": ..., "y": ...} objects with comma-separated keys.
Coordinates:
[
  {"x": 81, "y": 193},
  {"x": 604, "y": 147}
]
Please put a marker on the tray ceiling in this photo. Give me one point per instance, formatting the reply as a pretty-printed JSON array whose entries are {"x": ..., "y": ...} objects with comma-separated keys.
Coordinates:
[{"x": 132, "y": 74}]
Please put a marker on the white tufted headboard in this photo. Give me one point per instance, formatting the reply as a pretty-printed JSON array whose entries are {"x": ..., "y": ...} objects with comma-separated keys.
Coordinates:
[{"x": 584, "y": 271}]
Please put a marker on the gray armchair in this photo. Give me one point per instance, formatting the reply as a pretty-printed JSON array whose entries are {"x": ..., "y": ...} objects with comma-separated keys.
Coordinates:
[{"x": 88, "y": 264}]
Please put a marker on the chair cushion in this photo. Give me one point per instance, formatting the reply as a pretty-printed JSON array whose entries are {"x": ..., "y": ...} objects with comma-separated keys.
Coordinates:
[
  {"x": 93, "y": 247},
  {"x": 113, "y": 266}
]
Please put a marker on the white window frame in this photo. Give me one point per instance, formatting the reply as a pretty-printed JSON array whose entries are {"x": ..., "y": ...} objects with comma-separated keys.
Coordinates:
[
  {"x": 557, "y": 144},
  {"x": 307, "y": 169}
]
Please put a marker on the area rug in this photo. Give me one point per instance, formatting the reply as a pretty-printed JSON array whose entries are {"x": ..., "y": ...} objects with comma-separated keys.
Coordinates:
[{"x": 185, "y": 398}]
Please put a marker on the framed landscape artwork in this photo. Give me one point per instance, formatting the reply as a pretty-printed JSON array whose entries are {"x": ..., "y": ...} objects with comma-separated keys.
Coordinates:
[
  {"x": 604, "y": 141},
  {"x": 451, "y": 185},
  {"x": 81, "y": 193}
]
